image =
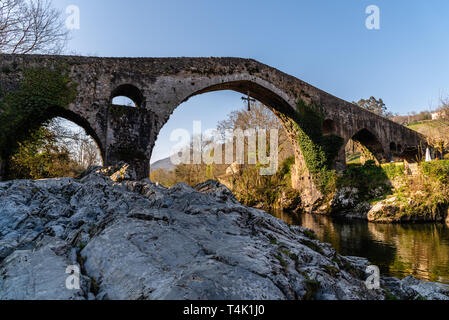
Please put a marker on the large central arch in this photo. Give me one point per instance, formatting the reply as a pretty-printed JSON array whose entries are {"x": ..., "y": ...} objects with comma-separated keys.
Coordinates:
[{"x": 273, "y": 98}]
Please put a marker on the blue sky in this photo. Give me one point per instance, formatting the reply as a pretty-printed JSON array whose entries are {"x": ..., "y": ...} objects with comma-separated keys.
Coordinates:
[{"x": 323, "y": 42}]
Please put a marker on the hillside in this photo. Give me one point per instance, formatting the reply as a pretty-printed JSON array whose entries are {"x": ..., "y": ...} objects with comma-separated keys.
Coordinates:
[
  {"x": 436, "y": 129},
  {"x": 164, "y": 164}
]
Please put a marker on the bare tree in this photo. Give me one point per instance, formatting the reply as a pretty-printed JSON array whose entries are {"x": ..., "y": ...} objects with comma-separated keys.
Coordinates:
[
  {"x": 444, "y": 108},
  {"x": 82, "y": 148},
  {"x": 31, "y": 26},
  {"x": 260, "y": 117}
]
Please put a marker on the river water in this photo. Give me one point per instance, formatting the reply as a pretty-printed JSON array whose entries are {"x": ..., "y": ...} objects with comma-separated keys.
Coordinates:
[{"x": 420, "y": 250}]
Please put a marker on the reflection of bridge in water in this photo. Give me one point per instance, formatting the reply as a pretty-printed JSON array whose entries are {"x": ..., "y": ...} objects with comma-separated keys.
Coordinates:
[{"x": 421, "y": 250}]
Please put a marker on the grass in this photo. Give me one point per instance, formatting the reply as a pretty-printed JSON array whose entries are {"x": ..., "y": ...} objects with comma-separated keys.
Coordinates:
[
  {"x": 82, "y": 245},
  {"x": 393, "y": 170},
  {"x": 310, "y": 234},
  {"x": 420, "y": 125},
  {"x": 438, "y": 170},
  {"x": 437, "y": 130},
  {"x": 312, "y": 246},
  {"x": 389, "y": 295},
  {"x": 425, "y": 195},
  {"x": 282, "y": 262},
  {"x": 273, "y": 240},
  {"x": 331, "y": 270},
  {"x": 354, "y": 158},
  {"x": 365, "y": 178}
]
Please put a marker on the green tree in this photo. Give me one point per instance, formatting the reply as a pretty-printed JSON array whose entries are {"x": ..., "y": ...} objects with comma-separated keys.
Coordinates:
[
  {"x": 374, "y": 105},
  {"x": 23, "y": 112},
  {"x": 42, "y": 156}
]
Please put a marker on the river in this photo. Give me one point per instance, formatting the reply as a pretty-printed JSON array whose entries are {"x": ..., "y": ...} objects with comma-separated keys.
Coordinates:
[{"x": 420, "y": 250}]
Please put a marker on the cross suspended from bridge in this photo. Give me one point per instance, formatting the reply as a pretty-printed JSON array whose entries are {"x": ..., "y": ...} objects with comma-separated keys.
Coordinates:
[{"x": 249, "y": 99}]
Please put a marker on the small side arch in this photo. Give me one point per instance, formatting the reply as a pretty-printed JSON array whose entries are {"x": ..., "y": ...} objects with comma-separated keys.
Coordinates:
[
  {"x": 130, "y": 92},
  {"x": 368, "y": 145},
  {"x": 393, "y": 147}
]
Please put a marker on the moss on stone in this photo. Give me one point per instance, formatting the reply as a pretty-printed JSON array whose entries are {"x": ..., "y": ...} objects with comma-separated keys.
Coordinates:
[
  {"x": 318, "y": 151},
  {"x": 41, "y": 92}
]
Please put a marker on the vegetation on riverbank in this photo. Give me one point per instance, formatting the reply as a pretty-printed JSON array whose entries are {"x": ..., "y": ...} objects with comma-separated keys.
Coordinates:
[
  {"x": 395, "y": 195},
  {"x": 27, "y": 145}
]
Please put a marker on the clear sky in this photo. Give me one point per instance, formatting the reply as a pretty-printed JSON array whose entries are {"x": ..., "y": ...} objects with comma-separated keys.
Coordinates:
[{"x": 323, "y": 42}]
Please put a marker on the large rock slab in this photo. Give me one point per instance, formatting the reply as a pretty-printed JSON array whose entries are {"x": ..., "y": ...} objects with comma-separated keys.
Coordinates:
[{"x": 135, "y": 240}]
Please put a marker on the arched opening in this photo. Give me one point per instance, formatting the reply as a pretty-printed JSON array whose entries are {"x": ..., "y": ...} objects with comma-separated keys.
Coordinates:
[
  {"x": 413, "y": 154},
  {"x": 393, "y": 147},
  {"x": 127, "y": 95},
  {"x": 329, "y": 127},
  {"x": 220, "y": 107},
  {"x": 364, "y": 146},
  {"x": 395, "y": 151},
  {"x": 59, "y": 148},
  {"x": 280, "y": 108}
]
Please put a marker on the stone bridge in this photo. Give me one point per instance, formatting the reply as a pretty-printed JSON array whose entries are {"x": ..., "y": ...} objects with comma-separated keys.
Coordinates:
[{"x": 159, "y": 85}]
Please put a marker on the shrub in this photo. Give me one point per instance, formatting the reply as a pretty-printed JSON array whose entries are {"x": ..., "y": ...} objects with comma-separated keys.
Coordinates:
[
  {"x": 394, "y": 170},
  {"x": 365, "y": 178},
  {"x": 438, "y": 170}
]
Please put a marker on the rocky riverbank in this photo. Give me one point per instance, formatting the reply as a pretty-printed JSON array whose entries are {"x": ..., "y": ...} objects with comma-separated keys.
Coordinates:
[
  {"x": 386, "y": 194},
  {"x": 135, "y": 240},
  {"x": 393, "y": 209}
]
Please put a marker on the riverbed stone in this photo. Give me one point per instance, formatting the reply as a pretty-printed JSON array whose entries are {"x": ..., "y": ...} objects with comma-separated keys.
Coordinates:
[{"x": 136, "y": 240}]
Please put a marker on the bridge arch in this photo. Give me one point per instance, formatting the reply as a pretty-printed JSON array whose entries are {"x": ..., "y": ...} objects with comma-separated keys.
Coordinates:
[
  {"x": 276, "y": 101},
  {"x": 50, "y": 114},
  {"x": 267, "y": 96},
  {"x": 130, "y": 92},
  {"x": 369, "y": 145},
  {"x": 393, "y": 147}
]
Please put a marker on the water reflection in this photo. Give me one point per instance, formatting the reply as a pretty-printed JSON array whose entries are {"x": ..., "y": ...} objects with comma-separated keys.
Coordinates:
[{"x": 421, "y": 250}]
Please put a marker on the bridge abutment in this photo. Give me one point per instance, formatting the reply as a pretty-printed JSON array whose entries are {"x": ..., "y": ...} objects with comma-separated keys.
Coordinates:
[
  {"x": 129, "y": 138},
  {"x": 340, "y": 161},
  {"x": 141, "y": 166}
]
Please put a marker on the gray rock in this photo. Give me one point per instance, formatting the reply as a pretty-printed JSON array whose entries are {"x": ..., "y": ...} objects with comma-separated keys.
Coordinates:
[
  {"x": 136, "y": 240},
  {"x": 36, "y": 275},
  {"x": 410, "y": 288}
]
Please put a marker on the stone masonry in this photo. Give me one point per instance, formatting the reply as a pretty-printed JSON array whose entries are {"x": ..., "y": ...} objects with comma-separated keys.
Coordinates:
[{"x": 159, "y": 85}]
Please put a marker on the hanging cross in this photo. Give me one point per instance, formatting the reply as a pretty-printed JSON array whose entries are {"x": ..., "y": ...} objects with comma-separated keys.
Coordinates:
[{"x": 249, "y": 99}]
